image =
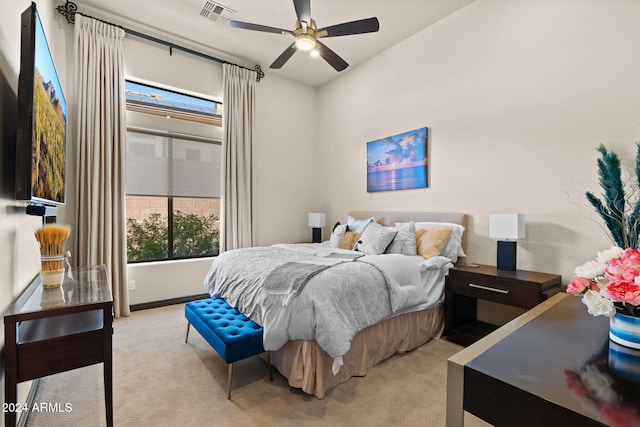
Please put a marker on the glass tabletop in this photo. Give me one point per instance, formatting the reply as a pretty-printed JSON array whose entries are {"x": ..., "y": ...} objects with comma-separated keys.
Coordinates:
[{"x": 81, "y": 286}]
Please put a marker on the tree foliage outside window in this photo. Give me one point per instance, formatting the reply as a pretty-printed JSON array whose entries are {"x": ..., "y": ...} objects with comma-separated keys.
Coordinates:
[
  {"x": 193, "y": 236},
  {"x": 147, "y": 239}
]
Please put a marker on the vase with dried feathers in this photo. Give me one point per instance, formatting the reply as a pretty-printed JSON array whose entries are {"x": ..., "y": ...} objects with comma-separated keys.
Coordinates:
[
  {"x": 620, "y": 209},
  {"x": 51, "y": 238}
]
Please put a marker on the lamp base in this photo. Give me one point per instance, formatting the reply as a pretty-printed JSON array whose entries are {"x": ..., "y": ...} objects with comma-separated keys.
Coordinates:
[
  {"x": 506, "y": 255},
  {"x": 316, "y": 235}
]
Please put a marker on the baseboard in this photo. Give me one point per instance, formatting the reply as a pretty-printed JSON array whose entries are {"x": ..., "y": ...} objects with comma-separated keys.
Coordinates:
[{"x": 163, "y": 303}]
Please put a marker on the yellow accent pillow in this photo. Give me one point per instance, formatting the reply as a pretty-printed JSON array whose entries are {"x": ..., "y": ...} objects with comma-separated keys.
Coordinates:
[
  {"x": 431, "y": 241},
  {"x": 348, "y": 240}
]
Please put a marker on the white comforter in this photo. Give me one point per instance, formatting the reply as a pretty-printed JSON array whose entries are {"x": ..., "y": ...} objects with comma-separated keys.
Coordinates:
[{"x": 334, "y": 304}]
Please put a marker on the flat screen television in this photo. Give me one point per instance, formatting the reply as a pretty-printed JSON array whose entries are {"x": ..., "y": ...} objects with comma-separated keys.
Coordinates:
[{"x": 42, "y": 119}]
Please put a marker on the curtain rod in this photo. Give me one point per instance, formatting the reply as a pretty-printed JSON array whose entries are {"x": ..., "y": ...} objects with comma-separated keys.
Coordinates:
[{"x": 69, "y": 10}]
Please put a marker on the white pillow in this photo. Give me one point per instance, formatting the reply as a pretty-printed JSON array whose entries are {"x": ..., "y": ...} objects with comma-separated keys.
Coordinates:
[
  {"x": 453, "y": 248},
  {"x": 405, "y": 241},
  {"x": 375, "y": 239},
  {"x": 358, "y": 225},
  {"x": 336, "y": 235}
]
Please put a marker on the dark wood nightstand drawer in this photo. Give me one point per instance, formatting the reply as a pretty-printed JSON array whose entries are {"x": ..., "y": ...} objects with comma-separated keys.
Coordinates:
[{"x": 497, "y": 289}]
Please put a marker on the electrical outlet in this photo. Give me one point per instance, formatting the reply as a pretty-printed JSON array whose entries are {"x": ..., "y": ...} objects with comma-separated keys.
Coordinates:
[{"x": 132, "y": 285}]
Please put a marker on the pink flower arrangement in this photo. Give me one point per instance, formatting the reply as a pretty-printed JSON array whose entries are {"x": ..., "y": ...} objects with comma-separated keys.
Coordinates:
[{"x": 610, "y": 284}]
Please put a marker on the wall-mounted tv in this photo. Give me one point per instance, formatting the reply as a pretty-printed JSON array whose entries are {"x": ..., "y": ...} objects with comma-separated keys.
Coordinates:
[{"x": 42, "y": 119}]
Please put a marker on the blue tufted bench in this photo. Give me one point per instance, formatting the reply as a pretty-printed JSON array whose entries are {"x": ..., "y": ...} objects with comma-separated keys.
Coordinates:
[{"x": 231, "y": 334}]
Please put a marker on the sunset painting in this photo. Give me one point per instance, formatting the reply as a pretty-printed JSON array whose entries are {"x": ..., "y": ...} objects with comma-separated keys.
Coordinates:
[{"x": 398, "y": 162}]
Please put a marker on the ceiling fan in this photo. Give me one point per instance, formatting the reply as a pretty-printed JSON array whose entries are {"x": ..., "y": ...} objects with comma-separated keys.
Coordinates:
[{"x": 306, "y": 35}]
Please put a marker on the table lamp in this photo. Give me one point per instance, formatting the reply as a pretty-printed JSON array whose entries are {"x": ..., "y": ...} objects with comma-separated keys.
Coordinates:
[
  {"x": 316, "y": 221},
  {"x": 506, "y": 226}
]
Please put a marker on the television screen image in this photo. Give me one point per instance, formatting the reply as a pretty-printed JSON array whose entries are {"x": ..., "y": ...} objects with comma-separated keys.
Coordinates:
[
  {"x": 398, "y": 162},
  {"x": 42, "y": 119}
]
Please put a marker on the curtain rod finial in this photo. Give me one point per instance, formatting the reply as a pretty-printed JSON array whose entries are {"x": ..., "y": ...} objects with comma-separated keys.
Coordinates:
[
  {"x": 68, "y": 10},
  {"x": 259, "y": 73}
]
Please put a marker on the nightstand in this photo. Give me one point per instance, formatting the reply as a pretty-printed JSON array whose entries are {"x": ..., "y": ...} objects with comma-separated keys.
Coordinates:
[{"x": 465, "y": 285}]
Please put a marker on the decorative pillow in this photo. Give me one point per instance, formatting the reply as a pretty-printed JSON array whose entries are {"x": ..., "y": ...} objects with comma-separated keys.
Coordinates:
[
  {"x": 375, "y": 239},
  {"x": 336, "y": 235},
  {"x": 453, "y": 248},
  {"x": 358, "y": 225},
  {"x": 349, "y": 240},
  {"x": 431, "y": 241},
  {"x": 405, "y": 241}
]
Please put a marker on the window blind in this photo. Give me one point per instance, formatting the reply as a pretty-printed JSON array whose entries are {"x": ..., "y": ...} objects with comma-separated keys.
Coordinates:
[{"x": 172, "y": 166}]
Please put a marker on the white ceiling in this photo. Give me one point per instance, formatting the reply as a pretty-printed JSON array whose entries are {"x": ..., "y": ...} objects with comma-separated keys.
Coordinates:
[{"x": 180, "y": 20}]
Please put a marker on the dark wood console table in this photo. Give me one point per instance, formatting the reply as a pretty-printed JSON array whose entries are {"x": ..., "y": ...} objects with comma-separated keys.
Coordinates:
[
  {"x": 48, "y": 331},
  {"x": 538, "y": 370}
]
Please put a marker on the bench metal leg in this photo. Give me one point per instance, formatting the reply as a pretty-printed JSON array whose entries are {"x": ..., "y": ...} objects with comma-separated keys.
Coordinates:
[
  {"x": 186, "y": 339},
  {"x": 229, "y": 380},
  {"x": 230, "y": 375}
]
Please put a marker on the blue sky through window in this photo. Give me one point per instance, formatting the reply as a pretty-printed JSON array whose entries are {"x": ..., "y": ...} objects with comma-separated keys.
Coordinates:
[{"x": 155, "y": 96}]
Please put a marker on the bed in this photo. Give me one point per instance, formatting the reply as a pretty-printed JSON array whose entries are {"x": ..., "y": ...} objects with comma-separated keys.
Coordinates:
[{"x": 330, "y": 313}]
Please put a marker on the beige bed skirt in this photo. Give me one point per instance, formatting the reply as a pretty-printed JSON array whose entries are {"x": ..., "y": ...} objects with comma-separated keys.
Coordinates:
[{"x": 308, "y": 367}]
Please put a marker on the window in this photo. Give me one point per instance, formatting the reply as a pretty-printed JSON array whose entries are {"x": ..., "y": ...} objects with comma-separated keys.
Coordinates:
[
  {"x": 153, "y": 100},
  {"x": 173, "y": 181}
]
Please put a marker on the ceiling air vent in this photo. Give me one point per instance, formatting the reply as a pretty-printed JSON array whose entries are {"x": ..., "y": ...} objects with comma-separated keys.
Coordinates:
[{"x": 216, "y": 12}]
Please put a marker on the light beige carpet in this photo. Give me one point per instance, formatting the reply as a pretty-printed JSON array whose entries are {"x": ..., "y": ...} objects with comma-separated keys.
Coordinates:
[{"x": 161, "y": 381}]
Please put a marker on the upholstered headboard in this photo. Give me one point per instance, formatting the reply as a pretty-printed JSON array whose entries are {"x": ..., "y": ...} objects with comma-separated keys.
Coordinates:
[{"x": 391, "y": 217}]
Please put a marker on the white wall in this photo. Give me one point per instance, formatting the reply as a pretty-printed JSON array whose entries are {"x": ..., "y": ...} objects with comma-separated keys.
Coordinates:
[
  {"x": 285, "y": 161},
  {"x": 517, "y": 96}
]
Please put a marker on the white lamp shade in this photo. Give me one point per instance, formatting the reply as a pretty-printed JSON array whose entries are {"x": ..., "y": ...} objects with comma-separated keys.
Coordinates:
[
  {"x": 506, "y": 226},
  {"x": 316, "y": 220}
]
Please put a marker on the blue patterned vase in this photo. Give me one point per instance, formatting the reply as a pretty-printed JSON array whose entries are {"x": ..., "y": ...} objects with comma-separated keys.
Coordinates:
[
  {"x": 624, "y": 361},
  {"x": 625, "y": 330}
]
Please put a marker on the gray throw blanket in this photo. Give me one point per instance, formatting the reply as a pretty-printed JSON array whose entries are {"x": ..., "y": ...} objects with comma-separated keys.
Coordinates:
[{"x": 286, "y": 281}]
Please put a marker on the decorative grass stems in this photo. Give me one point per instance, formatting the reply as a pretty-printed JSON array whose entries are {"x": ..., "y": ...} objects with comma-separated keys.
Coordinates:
[{"x": 51, "y": 238}]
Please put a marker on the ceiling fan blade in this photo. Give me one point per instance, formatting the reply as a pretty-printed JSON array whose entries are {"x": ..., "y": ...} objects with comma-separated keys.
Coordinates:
[
  {"x": 369, "y": 25},
  {"x": 258, "y": 27},
  {"x": 303, "y": 10},
  {"x": 331, "y": 57},
  {"x": 284, "y": 57}
]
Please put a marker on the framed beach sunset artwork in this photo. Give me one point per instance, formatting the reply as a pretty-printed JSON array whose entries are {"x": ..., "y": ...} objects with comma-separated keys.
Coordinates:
[{"x": 398, "y": 162}]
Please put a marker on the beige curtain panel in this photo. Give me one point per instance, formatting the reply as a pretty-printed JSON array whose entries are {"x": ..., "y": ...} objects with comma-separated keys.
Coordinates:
[
  {"x": 100, "y": 148},
  {"x": 236, "y": 229}
]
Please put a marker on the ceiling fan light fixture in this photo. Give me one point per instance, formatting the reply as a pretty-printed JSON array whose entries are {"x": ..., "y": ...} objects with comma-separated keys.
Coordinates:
[
  {"x": 305, "y": 42},
  {"x": 307, "y": 35}
]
